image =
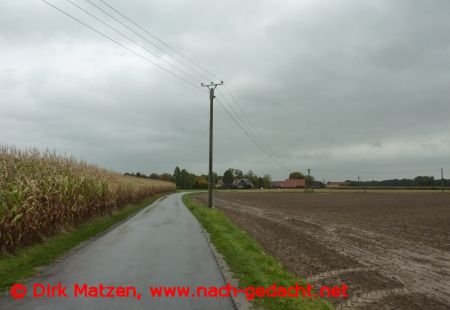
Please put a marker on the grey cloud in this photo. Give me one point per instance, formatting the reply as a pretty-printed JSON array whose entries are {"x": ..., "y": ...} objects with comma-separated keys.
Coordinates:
[{"x": 354, "y": 86}]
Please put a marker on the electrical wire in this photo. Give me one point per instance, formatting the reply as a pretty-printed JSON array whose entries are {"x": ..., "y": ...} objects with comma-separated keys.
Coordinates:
[
  {"x": 254, "y": 136},
  {"x": 238, "y": 116},
  {"x": 249, "y": 135},
  {"x": 257, "y": 138},
  {"x": 136, "y": 33},
  {"x": 123, "y": 46},
  {"x": 161, "y": 41},
  {"x": 250, "y": 122},
  {"x": 255, "y": 132},
  {"x": 131, "y": 40}
]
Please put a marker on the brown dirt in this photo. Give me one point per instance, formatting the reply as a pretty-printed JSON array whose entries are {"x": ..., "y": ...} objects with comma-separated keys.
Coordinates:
[{"x": 391, "y": 249}]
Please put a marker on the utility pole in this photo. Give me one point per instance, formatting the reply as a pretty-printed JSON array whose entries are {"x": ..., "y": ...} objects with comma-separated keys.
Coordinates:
[
  {"x": 309, "y": 179},
  {"x": 211, "y": 88},
  {"x": 359, "y": 183},
  {"x": 442, "y": 179}
]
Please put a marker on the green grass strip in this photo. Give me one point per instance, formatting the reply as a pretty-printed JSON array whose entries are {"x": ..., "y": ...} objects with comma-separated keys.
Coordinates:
[
  {"x": 15, "y": 268},
  {"x": 246, "y": 258}
]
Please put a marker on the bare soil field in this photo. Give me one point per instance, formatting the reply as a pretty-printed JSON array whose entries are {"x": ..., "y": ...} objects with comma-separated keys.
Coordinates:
[{"x": 391, "y": 249}]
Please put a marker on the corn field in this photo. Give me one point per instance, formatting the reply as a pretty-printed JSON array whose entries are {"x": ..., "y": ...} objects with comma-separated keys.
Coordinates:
[{"x": 44, "y": 193}]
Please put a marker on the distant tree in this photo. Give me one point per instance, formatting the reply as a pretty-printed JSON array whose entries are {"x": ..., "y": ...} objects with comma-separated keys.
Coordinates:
[
  {"x": 165, "y": 177},
  {"x": 237, "y": 174},
  {"x": 417, "y": 181},
  {"x": 201, "y": 182},
  {"x": 228, "y": 177},
  {"x": 267, "y": 181},
  {"x": 177, "y": 176},
  {"x": 215, "y": 178},
  {"x": 351, "y": 183},
  {"x": 252, "y": 177},
  {"x": 184, "y": 176},
  {"x": 187, "y": 179},
  {"x": 296, "y": 175},
  {"x": 260, "y": 182},
  {"x": 154, "y": 176},
  {"x": 424, "y": 180}
]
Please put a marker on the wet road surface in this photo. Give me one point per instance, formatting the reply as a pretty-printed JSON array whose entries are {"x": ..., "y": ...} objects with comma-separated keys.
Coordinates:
[{"x": 163, "y": 245}]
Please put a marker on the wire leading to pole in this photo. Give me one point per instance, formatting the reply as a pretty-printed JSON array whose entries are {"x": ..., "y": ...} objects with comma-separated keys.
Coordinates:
[
  {"x": 162, "y": 42},
  {"x": 240, "y": 117},
  {"x": 249, "y": 121},
  {"x": 121, "y": 45},
  {"x": 136, "y": 33},
  {"x": 131, "y": 40}
]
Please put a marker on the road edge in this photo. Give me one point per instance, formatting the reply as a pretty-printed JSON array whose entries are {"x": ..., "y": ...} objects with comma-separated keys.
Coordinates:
[{"x": 239, "y": 302}]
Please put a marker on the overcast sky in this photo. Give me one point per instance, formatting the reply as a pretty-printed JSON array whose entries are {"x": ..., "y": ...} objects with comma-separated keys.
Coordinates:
[{"x": 342, "y": 87}]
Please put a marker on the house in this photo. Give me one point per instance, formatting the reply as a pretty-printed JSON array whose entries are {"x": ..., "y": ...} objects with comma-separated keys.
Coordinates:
[
  {"x": 242, "y": 183},
  {"x": 295, "y": 183}
]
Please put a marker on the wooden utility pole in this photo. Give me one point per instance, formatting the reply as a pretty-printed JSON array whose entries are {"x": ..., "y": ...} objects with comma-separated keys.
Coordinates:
[
  {"x": 442, "y": 179},
  {"x": 309, "y": 180},
  {"x": 211, "y": 88}
]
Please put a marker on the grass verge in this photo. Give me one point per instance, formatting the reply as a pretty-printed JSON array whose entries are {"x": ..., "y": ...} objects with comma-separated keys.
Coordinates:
[
  {"x": 246, "y": 258},
  {"x": 17, "y": 267}
]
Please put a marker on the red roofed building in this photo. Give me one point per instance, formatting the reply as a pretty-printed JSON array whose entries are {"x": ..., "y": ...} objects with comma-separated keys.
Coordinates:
[{"x": 296, "y": 183}]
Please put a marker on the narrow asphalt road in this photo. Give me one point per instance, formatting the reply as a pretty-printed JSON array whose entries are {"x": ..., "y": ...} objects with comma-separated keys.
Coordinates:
[{"x": 163, "y": 245}]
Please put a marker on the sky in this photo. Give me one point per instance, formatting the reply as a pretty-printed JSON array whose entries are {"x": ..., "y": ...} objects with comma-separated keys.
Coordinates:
[{"x": 344, "y": 88}]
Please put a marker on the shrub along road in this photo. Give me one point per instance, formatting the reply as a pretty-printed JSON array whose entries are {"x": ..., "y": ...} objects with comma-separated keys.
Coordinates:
[{"x": 163, "y": 245}]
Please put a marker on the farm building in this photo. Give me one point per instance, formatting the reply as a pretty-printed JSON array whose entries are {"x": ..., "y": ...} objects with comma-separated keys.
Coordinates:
[
  {"x": 296, "y": 183},
  {"x": 242, "y": 183}
]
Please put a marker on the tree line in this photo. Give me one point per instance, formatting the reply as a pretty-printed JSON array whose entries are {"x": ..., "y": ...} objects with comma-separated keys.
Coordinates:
[
  {"x": 426, "y": 181},
  {"x": 154, "y": 176},
  {"x": 188, "y": 180},
  {"x": 181, "y": 177}
]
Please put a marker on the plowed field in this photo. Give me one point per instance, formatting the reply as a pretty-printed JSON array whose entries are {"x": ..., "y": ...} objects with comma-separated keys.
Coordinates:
[{"x": 392, "y": 249}]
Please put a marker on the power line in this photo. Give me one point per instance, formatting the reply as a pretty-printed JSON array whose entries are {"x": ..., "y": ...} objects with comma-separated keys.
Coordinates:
[
  {"x": 123, "y": 46},
  {"x": 257, "y": 138},
  {"x": 161, "y": 41},
  {"x": 258, "y": 141},
  {"x": 242, "y": 128},
  {"x": 248, "y": 120},
  {"x": 240, "y": 119},
  {"x": 256, "y": 133},
  {"x": 250, "y": 136},
  {"x": 254, "y": 137},
  {"x": 126, "y": 26}
]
